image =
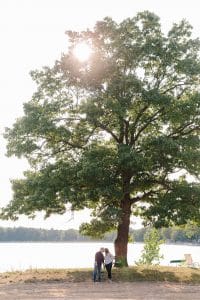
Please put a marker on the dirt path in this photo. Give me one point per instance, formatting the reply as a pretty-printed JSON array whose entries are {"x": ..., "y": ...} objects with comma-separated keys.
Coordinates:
[{"x": 104, "y": 291}]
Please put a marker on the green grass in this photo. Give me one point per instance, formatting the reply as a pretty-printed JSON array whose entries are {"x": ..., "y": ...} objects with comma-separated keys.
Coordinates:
[
  {"x": 131, "y": 274},
  {"x": 158, "y": 273}
]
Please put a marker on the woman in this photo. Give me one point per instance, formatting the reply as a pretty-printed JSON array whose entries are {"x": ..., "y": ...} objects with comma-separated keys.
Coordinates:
[{"x": 108, "y": 259}]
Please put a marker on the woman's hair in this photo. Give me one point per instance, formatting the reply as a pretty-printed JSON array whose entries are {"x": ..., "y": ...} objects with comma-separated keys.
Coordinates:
[{"x": 106, "y": 250}]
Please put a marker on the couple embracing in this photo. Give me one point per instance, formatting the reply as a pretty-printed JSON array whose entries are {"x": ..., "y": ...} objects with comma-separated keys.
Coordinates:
[{"x": 101, "y": 259}]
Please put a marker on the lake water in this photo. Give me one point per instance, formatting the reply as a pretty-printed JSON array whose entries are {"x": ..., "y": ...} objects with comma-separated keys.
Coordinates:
[{"x": 22, "y": 256}]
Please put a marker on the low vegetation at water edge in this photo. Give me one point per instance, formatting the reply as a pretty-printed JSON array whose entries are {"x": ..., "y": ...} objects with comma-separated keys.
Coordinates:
[{"x": 131, "y": 274}]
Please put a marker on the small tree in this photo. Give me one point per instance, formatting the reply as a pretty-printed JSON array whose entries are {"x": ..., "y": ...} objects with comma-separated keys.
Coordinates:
[{"x": 150, "y": 254}]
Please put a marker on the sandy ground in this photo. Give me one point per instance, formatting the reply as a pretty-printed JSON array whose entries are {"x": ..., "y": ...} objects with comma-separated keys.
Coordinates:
[{"x": 95, "y": 291}]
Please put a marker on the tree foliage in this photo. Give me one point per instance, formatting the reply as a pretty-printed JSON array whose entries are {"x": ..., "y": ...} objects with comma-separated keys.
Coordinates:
[{"x": 114, "y": 133}]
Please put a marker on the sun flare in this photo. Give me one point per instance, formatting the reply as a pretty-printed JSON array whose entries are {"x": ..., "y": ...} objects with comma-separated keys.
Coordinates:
[{"x": 82, "y": 51}]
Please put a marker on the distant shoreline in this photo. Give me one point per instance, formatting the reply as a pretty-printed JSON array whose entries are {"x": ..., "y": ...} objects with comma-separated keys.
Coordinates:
[
  {"x": 35, "y": 235},
  {"x": 92, "y": 241}
]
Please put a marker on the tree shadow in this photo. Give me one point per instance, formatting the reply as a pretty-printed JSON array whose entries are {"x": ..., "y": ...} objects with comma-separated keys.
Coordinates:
[
  {"x": 156, "y": 274},
  {"x": 196, "y": 277}
]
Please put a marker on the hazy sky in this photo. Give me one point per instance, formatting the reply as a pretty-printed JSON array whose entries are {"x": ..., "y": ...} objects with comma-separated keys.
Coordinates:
[{"x": 32, "y": 35}]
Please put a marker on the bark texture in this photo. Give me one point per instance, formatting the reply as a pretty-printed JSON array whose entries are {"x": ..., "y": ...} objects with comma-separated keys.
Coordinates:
[{"x": 121, "y": 241}]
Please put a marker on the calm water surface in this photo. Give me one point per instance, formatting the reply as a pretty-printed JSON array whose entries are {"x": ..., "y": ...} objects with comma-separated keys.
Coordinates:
[{"x": 22, "y": 256}]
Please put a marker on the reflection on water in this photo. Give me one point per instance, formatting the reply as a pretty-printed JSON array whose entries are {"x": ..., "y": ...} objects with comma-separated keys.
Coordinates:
[{"x": 21, "y": 256}]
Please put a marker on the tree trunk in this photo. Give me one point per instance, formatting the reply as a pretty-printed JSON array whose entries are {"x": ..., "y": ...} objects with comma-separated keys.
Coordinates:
[{"x": 121, "y": 241}]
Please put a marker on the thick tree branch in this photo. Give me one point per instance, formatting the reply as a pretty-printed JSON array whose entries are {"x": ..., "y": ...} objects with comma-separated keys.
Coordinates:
[
  {"x": 126, "y": 131},
  {"x": 148, "y": 121},
  {"x": 133, "y": 127},
  {"x": 104, "y": 127},
  {"x": 180, "y": 131},
  {"x": 140, "y": 197},
  {"x": 149, "y": 193},
  {"x": 121, "y": 135},
  {"x": 173, "y": 87}
]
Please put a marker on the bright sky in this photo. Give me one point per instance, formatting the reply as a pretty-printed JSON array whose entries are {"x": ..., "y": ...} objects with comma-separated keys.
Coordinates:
[{"x": 32, "y": 35}]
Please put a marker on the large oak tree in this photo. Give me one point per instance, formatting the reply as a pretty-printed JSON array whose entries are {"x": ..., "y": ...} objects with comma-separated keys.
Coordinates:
[{"x": 115, "y": 132}]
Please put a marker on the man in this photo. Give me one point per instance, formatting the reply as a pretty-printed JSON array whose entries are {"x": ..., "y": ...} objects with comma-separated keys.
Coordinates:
[{"x": 99, "y": 260}]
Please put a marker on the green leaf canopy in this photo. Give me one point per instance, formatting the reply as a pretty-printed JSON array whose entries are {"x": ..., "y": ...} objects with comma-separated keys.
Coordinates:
[{"x": 119, "y": 127}]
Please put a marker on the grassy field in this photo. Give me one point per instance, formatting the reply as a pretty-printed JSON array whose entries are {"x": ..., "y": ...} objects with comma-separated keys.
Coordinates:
[{"x": 131, "y": 274}]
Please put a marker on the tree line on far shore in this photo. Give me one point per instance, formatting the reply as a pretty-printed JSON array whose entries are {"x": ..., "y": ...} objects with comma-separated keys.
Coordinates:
[{"x": 187, "y": 234}]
